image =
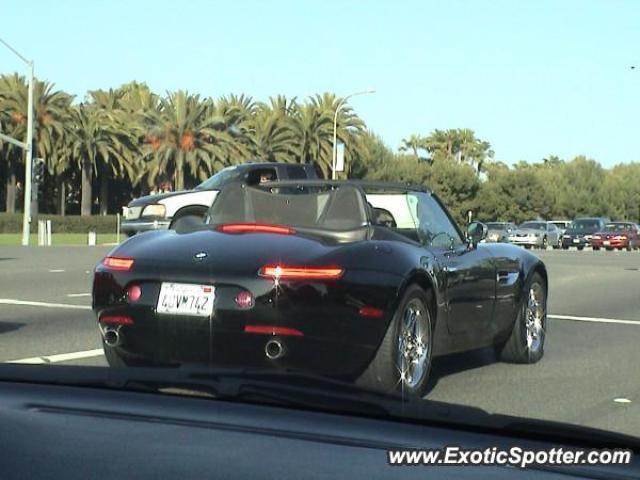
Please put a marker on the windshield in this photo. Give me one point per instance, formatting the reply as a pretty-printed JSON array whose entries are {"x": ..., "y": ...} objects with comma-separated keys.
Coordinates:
[
  {"x": 534, "y": 225},
  {"x": 340, "y": 208},
  {"x": 344, "y": 189},
  {"x": 497, "y": 225},
  {"x": 585, "y": 225},
  {"x": 615, "y": 227},
  {"x": 217, "y": 181}
]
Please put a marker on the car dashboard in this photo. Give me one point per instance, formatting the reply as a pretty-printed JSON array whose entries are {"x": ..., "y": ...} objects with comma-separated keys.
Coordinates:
[{"x": 53, "y": 431}]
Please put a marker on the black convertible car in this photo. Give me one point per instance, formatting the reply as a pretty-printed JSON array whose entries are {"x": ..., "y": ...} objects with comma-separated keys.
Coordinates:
[{"x": 354, "y": 280}]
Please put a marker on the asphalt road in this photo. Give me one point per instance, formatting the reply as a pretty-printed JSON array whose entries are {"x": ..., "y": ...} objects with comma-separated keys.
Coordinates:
[{"x": 590, "y": 373}]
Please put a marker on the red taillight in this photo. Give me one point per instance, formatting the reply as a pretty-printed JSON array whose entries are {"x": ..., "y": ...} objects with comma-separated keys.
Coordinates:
[
  {"x": 244, "y": 299},
  {"x": 118, "y": 263},
  {"x": 284, "y": 272},
  {"x": 134, "y": 292},
  {"x": 116, "y": 320},
  {"x": 273, "y": 330},
  {"x": 255, "y": 228},
  {"x": 371, "y": 312}
]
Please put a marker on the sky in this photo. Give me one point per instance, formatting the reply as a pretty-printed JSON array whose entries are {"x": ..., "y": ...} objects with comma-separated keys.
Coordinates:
[{"x": 534, "y": 78}]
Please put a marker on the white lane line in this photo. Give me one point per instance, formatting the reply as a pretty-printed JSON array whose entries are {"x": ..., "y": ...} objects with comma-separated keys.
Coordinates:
[
  {"x": 61, "y": 357},
  {"x": 56, "y": 270},
  {"x": 75, "y": 295},
  {"x": 11, "y": 301},
  {"x": 595, "y": 319}
]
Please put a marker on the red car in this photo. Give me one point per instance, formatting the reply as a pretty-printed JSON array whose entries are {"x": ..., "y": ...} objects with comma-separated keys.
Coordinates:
[{"x": 617, "y": 235}]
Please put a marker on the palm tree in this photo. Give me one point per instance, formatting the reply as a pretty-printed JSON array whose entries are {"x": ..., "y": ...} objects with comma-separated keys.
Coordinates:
[
  {"x": 113, "y": 124},
  {"x": 51, "y": 113},
  {"x": 95, "y": 142},
  {"x": 413, "y": 143},
  {"x": 314, "y": 127},
  {"x": 188, "y": 134},
  {"x": 272, "y": 130}
]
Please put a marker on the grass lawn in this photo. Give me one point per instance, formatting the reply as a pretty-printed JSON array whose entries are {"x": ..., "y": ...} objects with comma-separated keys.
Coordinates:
[{"x": 59, "y": 238}]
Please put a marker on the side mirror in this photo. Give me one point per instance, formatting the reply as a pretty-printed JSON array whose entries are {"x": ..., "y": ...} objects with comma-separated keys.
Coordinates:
[{"x": 476, "y": 231}]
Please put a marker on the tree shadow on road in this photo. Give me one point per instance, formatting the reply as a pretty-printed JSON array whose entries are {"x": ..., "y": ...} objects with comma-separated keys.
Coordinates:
[
  {"x": 9, "y": 326},
  {"x": 459, "y": 362}
]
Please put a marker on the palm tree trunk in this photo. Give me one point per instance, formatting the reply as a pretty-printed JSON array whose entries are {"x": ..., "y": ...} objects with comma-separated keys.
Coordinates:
[
  {"x": 11, "y": 186},
  {"x": 178, "y": 179},
  {"x": 104, "y": 192},
  {"x": 61, "y": 203},
  {"x": 85, "y": 203}
]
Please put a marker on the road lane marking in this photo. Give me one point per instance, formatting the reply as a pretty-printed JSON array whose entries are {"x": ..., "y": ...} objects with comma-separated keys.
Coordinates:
[
  {"x": 622, "y": 400},
  {"x": 61, "y": 357},
  {"x": 75, "y": 295},
  {"x": 595, "y": 319},
  {"x": 56, "y": 270},
  {"x": 11, "y": 301}
]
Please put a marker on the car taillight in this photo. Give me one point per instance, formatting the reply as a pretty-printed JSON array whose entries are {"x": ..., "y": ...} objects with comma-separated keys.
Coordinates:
[
  {"x": 255, "y": 228},
  {"x": 273, "y": 330},
  {"x": 288, "y": 272},
  {"x": 116, "y": 320},
  {"x": 118, "y": 263},
  {"x": 371, "y": 312}
]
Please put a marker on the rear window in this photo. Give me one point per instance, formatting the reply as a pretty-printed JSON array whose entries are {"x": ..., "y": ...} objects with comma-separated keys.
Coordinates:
[
  {"x": 614, "y": 227},
  {"x": 534, "y": 225},
  {"x": 585, "y": 224},
  {"x": 317, "y": 207},
  {"x": 296, "y": 172}
]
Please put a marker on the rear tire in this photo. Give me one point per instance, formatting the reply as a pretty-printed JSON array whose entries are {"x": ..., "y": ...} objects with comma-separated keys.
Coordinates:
[
  {"x": 384, "y": 371},
  {"x": 526, "y": 342},
  {"x": 580, "y": 248},
  {"x": 595, "y": 249}
]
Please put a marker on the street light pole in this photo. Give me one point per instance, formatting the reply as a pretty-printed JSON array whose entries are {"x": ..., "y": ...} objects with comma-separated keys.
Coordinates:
[
  {"x": 27, "y": 145},
  {"x": 26, "y": 220},
  {"x": 341, "y": 104}
]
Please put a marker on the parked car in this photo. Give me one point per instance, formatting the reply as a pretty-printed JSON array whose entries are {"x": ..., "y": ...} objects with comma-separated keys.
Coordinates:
[
  {"x": 562, "y": 225},
  {"x": 581, "y": 231},
  {"x": 537, "y": 234},
  {"x": 617, "y": 235},
  {"x": 498, "y": 232},
  {"x": 157, "y": 212}
]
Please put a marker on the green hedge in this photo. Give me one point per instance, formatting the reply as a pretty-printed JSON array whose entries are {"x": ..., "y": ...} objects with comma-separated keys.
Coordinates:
[{"x": 12, "y": 223}]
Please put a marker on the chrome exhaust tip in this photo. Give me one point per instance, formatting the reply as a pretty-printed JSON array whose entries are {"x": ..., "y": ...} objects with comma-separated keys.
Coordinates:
[
  {"x": 111, "y": 337},
  {"x": 274, "y": 349}
]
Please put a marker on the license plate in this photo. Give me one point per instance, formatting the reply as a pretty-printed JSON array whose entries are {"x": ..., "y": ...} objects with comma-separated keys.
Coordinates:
[
  {"x": 576, "y": 240},
  {"x": 186, "y": 299},
  {"x": 607, "y": 242}
]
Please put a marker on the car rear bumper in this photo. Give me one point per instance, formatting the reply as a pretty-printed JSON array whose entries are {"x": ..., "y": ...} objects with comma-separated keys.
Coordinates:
[
  {"x": 576, "y": 242},
  {"x": 324, "y": 331},
  {"x": 137, "y": 226},
  {"x": 526, "y": 241},
  {"x": 174, "y": 342},
  {"x": 610, "y": 243}
]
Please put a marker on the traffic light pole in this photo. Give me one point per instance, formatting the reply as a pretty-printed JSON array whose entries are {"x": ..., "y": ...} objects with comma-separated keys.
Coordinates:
[
  {"x": 26, "y": 220},
  {"x": 28, "y": 146}
]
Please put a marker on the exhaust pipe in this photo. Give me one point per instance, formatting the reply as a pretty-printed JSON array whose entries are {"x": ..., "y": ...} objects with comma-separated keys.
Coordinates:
[
  {"x": 111, "y": 337},
  {"x": 274, "y": 349}
]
